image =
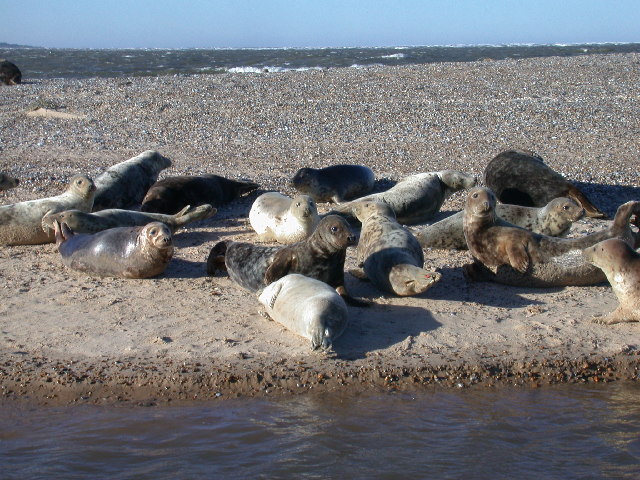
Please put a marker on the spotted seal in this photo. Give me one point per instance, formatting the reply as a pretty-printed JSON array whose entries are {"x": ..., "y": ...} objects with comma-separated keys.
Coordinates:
[
  {"x": 174, "y": 193},
  {"x": 82, "y": 222},
  {"x": 7, "y": 181},
  {"x": 20, "y": 223},
  {"x": 337, "y": 183},
  {"x": 321, "y": 256},
  {"x": 521, "y": 177},
  {"x": 276, "y": 217},
  {"x": 554, "y": 219},
  {"x": 516, "y": 256},
  {"x": 10, "y": 74},
  {"x": 388, "y": 254},
  {"x": 621, "y": 264},
  {"x": 308, "y": 307},
  {"x": 416, "y": 198},
  {"x": 125, "y": 184},
  {"x": 126, "y": 252}
]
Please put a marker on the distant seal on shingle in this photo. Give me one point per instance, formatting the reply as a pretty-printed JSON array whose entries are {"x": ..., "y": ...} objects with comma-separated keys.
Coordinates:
[
  {"x": 276, "y": 217},
  {"x": 10, "y": 74},
  {"x": 7, "y": 181},
  {"x": 336, "y": 183}
]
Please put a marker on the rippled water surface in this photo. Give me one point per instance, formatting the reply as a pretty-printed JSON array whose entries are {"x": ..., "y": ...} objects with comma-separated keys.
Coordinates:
[{"x": 561, "y": 432}]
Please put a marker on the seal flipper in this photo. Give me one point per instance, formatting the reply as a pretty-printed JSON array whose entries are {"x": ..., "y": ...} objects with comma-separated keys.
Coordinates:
[
  {"x": 284, "y": 262},
  {"x": 518, "y": 257},
  {"x": 201, "y": 212},
  {"x": 342, "y": 291},
  {"x": 62, "y": 232},
  {"x": 590, "y": 209},
  {"x": 359, "y": 273}
]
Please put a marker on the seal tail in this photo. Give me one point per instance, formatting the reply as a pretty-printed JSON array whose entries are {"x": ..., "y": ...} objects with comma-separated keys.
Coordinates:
[
  {"x": 62, "y": 232},
  {"x": 201, "y": 212},
  {"x": 590, "y": 209},
  {"x": 215, "y": 260}
]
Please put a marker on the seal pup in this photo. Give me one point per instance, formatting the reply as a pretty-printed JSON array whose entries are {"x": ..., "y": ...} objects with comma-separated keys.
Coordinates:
[
  {"x": 8, "y": 182},
  {"x": 10, "y": 74},
  {"x": 321, "y": 256},
  {"x": 124, "y": 184},
  {"x": 276, "y": 217},
  {"x": 554, "y": 219},
  {"x": 521, "y": 177},
  {"x": 516, "y": 256},
  {"x": 621, "y": 264},
  {"x": 126, "y": 252},
  {"x": 82, "y": 222},
  {"x": 388, "y": 254},
  {"x": 308, "y": 307},
  {"x": 174, "y": 193},
  {"x": 337, "y": 183},
  {"x": 21, "y": 223},
  {"x": 416, "y": 198}
]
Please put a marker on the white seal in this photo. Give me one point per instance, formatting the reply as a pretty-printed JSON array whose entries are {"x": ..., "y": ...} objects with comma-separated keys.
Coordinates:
[{"x": 276, "y": 217}]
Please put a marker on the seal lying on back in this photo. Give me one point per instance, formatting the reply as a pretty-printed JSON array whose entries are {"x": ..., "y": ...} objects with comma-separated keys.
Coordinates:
[
  {"x": 517, "y": 256},
  {"x": 521, "y": 178},
  {"x": 81, "y": 222},
  {"x": 10, "y": 74},
  {"x": 554, "y": 219},
  {"x": 124, "y": 185},
  {"x": 389, "y": 253},
  {"x": 621, "y": 264},
  {"x": 336, "y": 184},
  {"x": 276, "y": 217},
  {"x": 20, "y": 223},
  {"x": 172, "y": 194},
  {"x": 416, "y": 198},
  {"x": 308, "y": 307},
  {"x": 7, "y": 181},
  {"x": 321, "y": 256},
  {"x": 127, "y": 252}
]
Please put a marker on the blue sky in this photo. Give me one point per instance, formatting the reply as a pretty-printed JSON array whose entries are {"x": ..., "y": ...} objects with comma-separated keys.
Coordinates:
[{"x": 313, "y": 23}]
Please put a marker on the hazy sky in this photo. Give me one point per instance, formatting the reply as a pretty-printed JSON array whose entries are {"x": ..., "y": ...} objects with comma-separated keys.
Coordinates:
[{"x": 314, "y": 23}]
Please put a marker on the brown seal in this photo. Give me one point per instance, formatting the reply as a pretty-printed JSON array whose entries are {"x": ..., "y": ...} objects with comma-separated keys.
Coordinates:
[
  {"x": 621, "y": 264},
  {"x": 519, "y": 257},
  {"x": 521, "y": 177},
  {"x": 172, "y": 194},
  {"x": 10, "y": 74},
  {"x": 337, "y": 183},
  {"x": 126, "y": 252},
  {"x": 7, "y": 181}
]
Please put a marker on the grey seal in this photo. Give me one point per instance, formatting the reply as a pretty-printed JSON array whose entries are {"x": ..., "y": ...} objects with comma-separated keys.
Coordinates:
[
  {"x": 388, "y": 253},
  {"x": 10, "y": 74},
  {"x": 7, "y": 181},
  {"x": 337, "y": 183},
  {"x": 521, "y": 177},
  {"x": 125, "y": 184},
  {"x": 276, "y": 217},
  {"x": 126, "y": 252},
  {"x": 307, "y": 307}
]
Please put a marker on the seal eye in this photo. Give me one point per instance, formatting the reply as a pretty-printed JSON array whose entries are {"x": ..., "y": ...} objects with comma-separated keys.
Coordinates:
[
  {"x": 566, "y": 207},
  {"x": 297, "y": 204},
  {"x": 475, "y": 195},
  {"x": 153, "y": 231},
  {"x": 334, "y": 229}
]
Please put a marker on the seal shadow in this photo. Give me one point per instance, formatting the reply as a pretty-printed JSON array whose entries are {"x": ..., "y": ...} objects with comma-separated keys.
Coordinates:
[
  {"x": 608, "y": 197},
  {"x": 180, "y": 268}
]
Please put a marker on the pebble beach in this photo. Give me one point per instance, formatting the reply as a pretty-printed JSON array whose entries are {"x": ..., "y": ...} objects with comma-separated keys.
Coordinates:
[{"x": 66, "y": 337}]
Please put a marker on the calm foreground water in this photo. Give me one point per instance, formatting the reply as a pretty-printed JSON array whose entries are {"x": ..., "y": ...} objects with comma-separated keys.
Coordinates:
[{"x": 564, "y": 432}]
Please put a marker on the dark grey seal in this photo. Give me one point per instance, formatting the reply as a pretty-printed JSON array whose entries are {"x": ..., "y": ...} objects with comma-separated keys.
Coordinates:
[
  {"x": 336, "y": 183},
  {"x": 10, "y": 74}
]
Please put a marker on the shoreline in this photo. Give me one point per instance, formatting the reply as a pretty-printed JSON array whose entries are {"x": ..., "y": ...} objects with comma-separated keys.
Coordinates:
[{"x": 61, "y": 330}]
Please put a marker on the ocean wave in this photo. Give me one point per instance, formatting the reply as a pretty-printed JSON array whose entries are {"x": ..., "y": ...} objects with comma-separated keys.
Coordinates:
[{"x": 394, "y": 55}]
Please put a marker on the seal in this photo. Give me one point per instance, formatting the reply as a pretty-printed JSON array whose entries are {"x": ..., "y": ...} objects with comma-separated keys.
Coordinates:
[
  {"x": 124, "y": 185},
  {"x": 174, "y": 193},
  {"x": 336, "y": 183},
  {"x": 7, "y": 181},
  {"x": 517, "y": 256},
  {"x": 126, "y": 252},
  {"x": 389, "y": 253},
  {"x": 554, "y": 219},
  {"x": 82, "y": 222},
  {"x": 307, "y": 307},
  {"x": 621, "y": 264},
  {"x": 416, "y": 198},
  {"x": 20, "y": 223},
  {"x": 321, "y": 256},
  {"x": 521, "y": 177},
  {"x": 276, "y": 217},
  {"x": 10, "y": 74}
]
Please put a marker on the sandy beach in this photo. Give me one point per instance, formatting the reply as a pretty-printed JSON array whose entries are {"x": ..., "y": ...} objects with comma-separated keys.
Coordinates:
[{"x": 66, "y": 337}]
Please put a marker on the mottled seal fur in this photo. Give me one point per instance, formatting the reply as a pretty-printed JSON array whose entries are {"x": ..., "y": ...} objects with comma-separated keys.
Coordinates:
[
  {"x": 621, "y": 264},
  {"x": 517, "y": 256},
  {"x": 554, "y": 219},
  {"x": 337, "y": 183},
  {"x": 126, "y": 252},
  {"x": 416, "y": 198},
  {"x": 82, "y": 222},
  {"x": 308, "y": 307},
  {"x": 520, "y": 177},
  {"x": 10, "y": 74},
  {"x": 7, "y": 181},
  {"x": 321, "y": 256},
  {"x": 276, "y": 217},
  {"x": 172, "y": 194},
  {"x": 21, "y": 223},
  {"x": 125, "y": 184},
  {"x": 389, "y": 253}
]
